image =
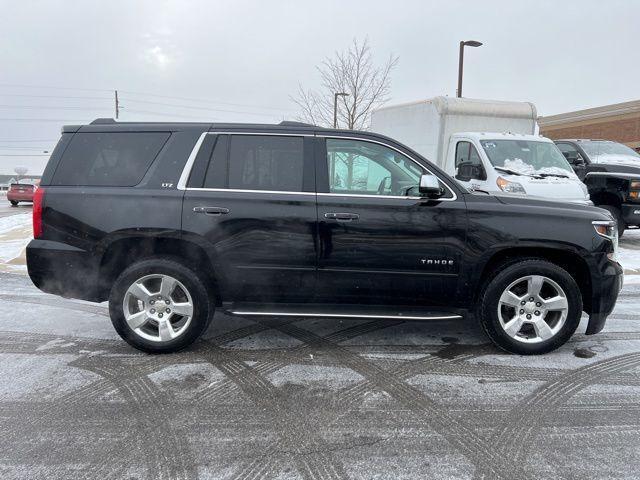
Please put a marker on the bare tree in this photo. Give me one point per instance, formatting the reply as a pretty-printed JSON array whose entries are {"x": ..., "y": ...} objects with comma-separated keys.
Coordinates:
[{"x": 353, "y": 72}]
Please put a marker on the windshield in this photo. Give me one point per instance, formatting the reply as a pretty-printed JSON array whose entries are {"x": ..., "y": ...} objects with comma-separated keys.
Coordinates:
[
  {"x": 596, "y": 149},
  {"x": 527, "y": 157}
]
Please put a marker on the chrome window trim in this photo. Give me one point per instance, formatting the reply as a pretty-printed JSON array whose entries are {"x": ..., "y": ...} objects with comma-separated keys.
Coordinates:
[
  {"x": 366, "y": 195},
  {"x": 361, "y": 139},
  {"x": 239, "y": 190},
  {"x": 186, "y": 171}
]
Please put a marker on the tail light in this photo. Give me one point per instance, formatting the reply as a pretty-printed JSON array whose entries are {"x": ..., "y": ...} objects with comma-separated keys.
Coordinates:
[{"x": 38, "y": 197}]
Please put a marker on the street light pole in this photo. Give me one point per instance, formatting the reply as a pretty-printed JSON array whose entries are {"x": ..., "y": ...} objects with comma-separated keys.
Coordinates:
[
  {"x": 467, "y": 43},
  {"x": 335, "y": 106}
]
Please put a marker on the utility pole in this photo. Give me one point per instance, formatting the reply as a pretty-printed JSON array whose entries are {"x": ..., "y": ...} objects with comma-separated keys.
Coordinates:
[{"x": 117, "y": 105}]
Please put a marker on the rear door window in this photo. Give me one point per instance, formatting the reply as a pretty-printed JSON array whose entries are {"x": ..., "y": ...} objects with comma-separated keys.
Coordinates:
[
  {"x": 265, "y": 162},
  {"x": 117, "y": 159}
]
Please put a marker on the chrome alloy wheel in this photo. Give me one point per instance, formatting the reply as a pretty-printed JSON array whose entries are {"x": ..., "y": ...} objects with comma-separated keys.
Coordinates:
[
  {"x": 158, "y": 308},
  {"x": 533, "y": 309}
]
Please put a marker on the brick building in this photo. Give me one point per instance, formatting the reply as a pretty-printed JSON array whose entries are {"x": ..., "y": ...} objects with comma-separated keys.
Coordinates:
[{"x": 619, "y": 122}]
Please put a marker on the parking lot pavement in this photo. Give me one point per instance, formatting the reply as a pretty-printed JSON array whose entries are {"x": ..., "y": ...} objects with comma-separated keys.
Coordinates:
[
  {"x": 6, "y": 209},
  {"x": 318, "y": 399}
]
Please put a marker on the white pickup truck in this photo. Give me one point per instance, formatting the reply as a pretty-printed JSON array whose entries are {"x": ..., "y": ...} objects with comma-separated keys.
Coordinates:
[{"x": 457, "y": 135}]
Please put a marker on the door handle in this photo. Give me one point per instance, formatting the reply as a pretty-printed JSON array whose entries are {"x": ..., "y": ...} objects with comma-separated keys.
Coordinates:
[
  {"x": 211, "y": 210},
  {"x": 342, "y": 217}
]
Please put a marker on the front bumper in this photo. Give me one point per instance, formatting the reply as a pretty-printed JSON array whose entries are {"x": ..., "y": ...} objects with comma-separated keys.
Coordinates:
[
  {"x": 605, "y": 292},
  {"x": 63, "y": 270},
  {"x": 631, "y": 214}
]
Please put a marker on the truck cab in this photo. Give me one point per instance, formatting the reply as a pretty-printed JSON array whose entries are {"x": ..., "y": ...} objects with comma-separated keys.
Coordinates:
[
  {"x": 454, "y": 133},
  {"x": 611, "y": 173},
  {"x": 513, "y": 163}
]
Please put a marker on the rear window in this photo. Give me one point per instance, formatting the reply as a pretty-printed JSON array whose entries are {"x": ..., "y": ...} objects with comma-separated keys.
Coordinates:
[{"x": 118, "y": 159}]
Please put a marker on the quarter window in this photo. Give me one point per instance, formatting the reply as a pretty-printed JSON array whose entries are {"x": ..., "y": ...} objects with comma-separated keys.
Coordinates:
[
  {"x": 358, "y": 167},
  {"x": 262, "y": 162},
  {"x": 118, "y": 159}
]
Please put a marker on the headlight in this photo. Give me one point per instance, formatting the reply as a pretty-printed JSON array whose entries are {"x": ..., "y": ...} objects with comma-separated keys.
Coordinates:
[
  {"x": 510, "y": 187},
  {"x": 608, "y": 230},
  {"x": 635, "y": 185}
]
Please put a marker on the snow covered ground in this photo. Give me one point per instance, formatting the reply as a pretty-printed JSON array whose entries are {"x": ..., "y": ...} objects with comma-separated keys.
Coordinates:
[{"x": 15, "y": 233}]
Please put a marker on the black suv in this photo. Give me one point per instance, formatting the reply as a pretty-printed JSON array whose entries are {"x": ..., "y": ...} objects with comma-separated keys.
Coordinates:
[{"x": 171, "y": 221}]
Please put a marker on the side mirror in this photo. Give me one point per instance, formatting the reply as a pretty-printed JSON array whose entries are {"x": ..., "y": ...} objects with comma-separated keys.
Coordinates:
[
  {"x": 470, "y": 171},
  {"x": 574, "y": 158},
  {"x": 430, "y": 186}
]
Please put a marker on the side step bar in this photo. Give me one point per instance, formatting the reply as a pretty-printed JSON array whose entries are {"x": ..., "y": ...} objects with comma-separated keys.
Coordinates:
[{"x": 346, "y": 311}]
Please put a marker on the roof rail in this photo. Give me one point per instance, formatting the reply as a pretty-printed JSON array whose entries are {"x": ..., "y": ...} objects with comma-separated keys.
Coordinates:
[
  {"x": 103, "y": 121},
  {"x": 290, "y": 123}
]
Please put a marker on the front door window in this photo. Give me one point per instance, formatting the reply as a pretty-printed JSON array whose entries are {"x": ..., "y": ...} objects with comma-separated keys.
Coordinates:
[{"x": 365, "y": 168}]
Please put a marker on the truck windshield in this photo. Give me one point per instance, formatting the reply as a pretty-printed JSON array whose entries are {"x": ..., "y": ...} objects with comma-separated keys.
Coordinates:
[
  {"x": 527, "y": 157},
  {"x": 597, "y": 149}
]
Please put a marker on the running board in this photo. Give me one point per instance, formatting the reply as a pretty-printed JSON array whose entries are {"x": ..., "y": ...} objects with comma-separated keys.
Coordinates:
[{"x": 339, "y": 311}]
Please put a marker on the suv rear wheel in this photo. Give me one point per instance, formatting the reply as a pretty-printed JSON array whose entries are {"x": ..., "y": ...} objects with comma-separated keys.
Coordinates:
[
  {"x": 158, "y": 305},
  {"x": 531, "y": 307}
]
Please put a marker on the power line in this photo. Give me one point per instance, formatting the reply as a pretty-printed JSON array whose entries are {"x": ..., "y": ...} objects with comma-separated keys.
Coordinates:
[
  {"x": 28, "y": 141},
  {"x": 51, "y": 107},
  {"x": 198, "y": 108},
  {"x": 164, "y": 114},
  {"x": 190, "y": 99},
  {"x": 14, "y": 85},
  {"x": 5, "y": 147},
  {"x": 20, "y": 95},
  {"x": 204, "y": 100},
  {"x": 36, "y": 120}
]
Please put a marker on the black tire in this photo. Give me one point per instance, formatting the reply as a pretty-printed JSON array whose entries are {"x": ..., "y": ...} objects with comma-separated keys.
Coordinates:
[
  {"x": 13, "y": 203},
  {"x": 203, "y": 303},
  {"x": 509, "y": 273},
  {"x": 617, "y": 216}
]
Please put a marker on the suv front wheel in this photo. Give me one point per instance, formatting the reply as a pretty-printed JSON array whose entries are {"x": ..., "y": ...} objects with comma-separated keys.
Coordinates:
[
  {"x": 531, "y": 307},
  {"x": 159, "y": 306}
]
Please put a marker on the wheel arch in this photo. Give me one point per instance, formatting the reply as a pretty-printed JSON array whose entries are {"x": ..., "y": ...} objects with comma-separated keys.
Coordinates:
[
  {"x": 569, "y": 260},
  {"x": 124, "y": 251}
]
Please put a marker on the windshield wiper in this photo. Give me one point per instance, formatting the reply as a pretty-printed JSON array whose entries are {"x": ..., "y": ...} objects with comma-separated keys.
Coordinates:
[
  {"x": 545, "y": 175},
  {"x": 512, "y": 172}
]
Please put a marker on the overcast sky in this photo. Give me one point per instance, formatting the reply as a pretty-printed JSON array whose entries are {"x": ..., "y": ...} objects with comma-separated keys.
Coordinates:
[{"x": 241, "y": 60}]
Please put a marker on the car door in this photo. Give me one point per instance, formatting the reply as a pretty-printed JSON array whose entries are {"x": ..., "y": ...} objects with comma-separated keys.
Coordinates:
[
  {"x": 380, "y": 243},
  {"x": 250, "y": 201}
]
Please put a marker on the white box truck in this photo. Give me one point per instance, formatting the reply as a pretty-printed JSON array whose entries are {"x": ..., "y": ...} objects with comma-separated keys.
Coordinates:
[{"x": 485, "y": 145}]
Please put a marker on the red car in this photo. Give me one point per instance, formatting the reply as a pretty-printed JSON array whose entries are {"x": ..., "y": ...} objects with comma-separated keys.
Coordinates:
[{"x": 20, "y": 192}]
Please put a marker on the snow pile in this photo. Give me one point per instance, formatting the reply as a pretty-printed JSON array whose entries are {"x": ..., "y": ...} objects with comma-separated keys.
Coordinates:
[
  {"x": 520, "y": 166},
  {"x": 15, "y": 233}
]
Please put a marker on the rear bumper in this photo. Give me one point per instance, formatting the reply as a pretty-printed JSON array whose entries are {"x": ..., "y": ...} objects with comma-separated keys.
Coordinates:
[
  {"x": 63, "y": 270},
  {"x": 20, "y": 197},
  {"x": 631, "y": 213},
  {"x": 604, "y": 296}
]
